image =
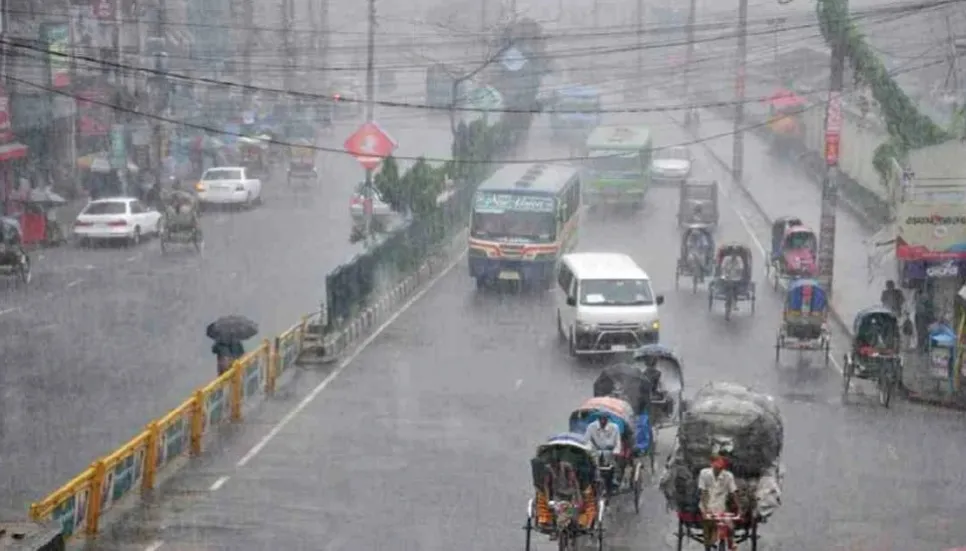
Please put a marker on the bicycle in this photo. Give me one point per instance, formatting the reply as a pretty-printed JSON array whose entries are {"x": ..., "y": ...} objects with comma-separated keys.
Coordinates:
[{"x": 723, "y": 526}]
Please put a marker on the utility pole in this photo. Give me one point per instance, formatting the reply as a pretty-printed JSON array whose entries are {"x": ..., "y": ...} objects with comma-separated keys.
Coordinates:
[
  {"x": 370, "y": 105},
  {"x": 248, "y": 16},
  {"x": 160, "y": 32},
  {"x": 833, "y": 133},
  {"x": 776, "y": 25},
  {"x": 689, "y": 56},
  {"x": 596, "y": 20},
  {"x": 288, "y": 19},
  {"x": 324, "y": 55},
  {"x": 738, "y": 153},
  {"x": 640, "y": 44}
]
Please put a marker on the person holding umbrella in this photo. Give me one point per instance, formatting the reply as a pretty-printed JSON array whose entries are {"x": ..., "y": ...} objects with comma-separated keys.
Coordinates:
[{"x": 228, "y": 332}]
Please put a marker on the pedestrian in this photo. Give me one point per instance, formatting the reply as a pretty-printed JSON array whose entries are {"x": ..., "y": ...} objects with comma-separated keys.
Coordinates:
[
  {"x": 226, "y": 353},
  {"x": 893, "y": 298},
  {"x": 925, "y": 315}
]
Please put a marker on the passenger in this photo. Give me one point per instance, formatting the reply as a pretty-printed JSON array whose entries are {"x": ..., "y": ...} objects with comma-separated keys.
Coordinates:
[{"x": 733, "y": 268}]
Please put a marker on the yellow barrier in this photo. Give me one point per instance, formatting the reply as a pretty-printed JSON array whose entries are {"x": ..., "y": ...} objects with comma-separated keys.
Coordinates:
[{"x": 79, "y": 505}]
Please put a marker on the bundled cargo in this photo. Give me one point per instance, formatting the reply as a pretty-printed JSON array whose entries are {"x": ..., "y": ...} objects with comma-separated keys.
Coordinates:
[{"x": 740, "y": 423}]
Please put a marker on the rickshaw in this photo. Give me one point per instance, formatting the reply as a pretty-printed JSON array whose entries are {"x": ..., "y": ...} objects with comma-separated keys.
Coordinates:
[
  {"x": 14, "y": 260},
  {"x": 785, "y": 109},
  {"x": 301, "y": 166},
  {"x": 698, "y": 205},
  {"x": 667, "y": 396},
  {"x": 180, "y": 221},
  {"x": 732, "y": 292},
  {"x": 875, "y": 354},
  {"x": 254, "y": 153},
  {"x": 692, "y": 263},
  {"x": 804, "y": 320},
  {"x": 794, "y": 249},
  {"x": 567, "y": 503},
  {"x": 625, "y": 475}
]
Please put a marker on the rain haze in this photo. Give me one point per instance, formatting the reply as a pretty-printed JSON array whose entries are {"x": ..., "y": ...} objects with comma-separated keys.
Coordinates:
[{"x": 167, "y": 164}]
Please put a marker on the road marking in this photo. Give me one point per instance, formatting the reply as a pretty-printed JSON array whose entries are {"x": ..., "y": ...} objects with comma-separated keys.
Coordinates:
[
  {"x": 218, "y": 483},
  {"x": 132, "y": 258},
  {"x": 74, "y": 283},
  {"x": 257, "y": 448},
  {"x": 518, "y": 384},
  {"x": 9, "y": 310},
  {"x": 155, "y": 546}
]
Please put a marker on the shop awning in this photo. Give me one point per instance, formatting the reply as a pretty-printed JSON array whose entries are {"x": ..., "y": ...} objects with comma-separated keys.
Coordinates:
[{"x": 14, "y": 150}]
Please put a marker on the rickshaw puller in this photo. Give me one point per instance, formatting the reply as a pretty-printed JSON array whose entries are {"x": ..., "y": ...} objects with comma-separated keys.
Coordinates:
[{"x": 605, "y": 437}]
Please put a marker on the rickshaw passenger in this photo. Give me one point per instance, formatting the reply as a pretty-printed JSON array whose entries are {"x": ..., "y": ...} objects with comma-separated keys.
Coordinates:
[
  {"x": 699, "y": 242},
  {"x": 733, "y": 268},
  {"x": 876, "y": 336}
]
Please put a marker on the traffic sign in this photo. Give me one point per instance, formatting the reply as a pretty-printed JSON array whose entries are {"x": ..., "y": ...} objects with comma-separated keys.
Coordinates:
[{"x": 370, "y": 144}]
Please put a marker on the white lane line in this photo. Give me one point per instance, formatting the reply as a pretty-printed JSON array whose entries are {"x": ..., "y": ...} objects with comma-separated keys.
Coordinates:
[
  {"x": 342, "y": 366},
  {"x": 132, "y": 258},
  {"x": 518, "y": 384},
  {"x": 155, "y": 545},
  {"x": 74, "y": 283},
  {"x": 9, "y": 311},
  {"x": 218, "y": 483}
]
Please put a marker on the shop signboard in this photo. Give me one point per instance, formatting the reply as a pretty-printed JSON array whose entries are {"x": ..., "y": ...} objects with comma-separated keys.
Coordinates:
[
  {"x": 57, "y": 38},
  {"x": 931, "y": 231},
  {"x": 94, "y": 111},
  {"x": 6, "y": 132}
]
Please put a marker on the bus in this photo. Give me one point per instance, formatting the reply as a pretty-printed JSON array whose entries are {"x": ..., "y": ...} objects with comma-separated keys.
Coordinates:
[
  {"x": 524, "y": 218},
  {"x": 618, "y": 165},
  {"x": 574, "y": 110}
]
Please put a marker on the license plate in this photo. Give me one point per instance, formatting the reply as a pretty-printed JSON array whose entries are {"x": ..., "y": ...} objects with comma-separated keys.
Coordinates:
[
  {"x": 618, "y": 348},
  {"x": 510, "y": 276}
]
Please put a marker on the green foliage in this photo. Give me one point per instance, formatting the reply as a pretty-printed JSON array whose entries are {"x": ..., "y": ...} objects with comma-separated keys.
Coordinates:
[{"x": 909, "y": 128}]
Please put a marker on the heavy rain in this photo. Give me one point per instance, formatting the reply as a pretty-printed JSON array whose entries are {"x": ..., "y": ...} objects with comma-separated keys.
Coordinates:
[{"x": 328, "y": 275}]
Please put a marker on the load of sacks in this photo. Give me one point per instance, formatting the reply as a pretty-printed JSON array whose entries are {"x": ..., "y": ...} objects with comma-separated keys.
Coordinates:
[{"x": 740, "y": 423}]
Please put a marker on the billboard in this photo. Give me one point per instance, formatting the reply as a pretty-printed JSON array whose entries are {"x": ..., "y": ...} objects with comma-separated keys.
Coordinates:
[{"x": 931, "y": 231}]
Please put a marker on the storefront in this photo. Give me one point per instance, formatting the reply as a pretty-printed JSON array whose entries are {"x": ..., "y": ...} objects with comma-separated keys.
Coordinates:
[
  {"x": 931, "y": 249},
  {"x": 13, "y": 156}
]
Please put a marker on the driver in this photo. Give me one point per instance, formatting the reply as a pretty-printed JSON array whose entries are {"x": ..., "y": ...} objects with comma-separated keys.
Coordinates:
[
  {"x": 605, "y": 437},
  {"x": 699, "y": 241},
  {"x": 733, "y": 268},
  {"x": 653, "y": 375}
]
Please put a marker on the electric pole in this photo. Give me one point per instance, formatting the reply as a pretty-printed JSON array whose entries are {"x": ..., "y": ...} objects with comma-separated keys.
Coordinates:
[
  {"x": 248, "y": 17},
  {"x": 161, "y": 87},
  {"x": 689, "y": 56},
  {"x": 833, "y": 133},
  {"x": 370, "y": 105},
  {"x": 288, "y": 19},
  {"x": 596, "y": 22},
  {"x": 324, "y": 55},
  {"x": 640, "y": 44},
  {"x": 738, "y": 153}
]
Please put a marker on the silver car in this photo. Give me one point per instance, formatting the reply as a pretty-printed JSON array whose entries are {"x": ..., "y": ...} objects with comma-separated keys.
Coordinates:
[
  {"x": 357, "y": 206},
  {"x": 671, "y": 165}
]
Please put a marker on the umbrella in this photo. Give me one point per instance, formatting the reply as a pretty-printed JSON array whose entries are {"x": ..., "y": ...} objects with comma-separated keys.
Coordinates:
[
  {"x": 785, "y": 98},
  {"x": 45, "y": 197},
  {"x": 625, "y": 380},
  {"x": 231, "y": 328}
]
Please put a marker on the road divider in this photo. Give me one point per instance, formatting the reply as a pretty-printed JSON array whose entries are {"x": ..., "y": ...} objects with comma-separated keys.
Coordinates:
[{"x": 361, "y": 294}]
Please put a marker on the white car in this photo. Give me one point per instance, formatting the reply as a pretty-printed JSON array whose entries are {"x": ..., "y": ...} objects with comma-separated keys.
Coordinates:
[
  {"x": 229, "y": 185},
  {"x": 117, "y": 218},
  {"x": 672, "y": 165},
  {"x": 357, "y": 205}
]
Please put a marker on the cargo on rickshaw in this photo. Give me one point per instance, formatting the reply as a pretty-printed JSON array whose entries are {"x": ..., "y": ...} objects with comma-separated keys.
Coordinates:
[
  {"x": 180, "y": 221},
  {"x": 698, "y": 205},
  {"x": 301, "y": 165},
  {"x": 794, "y": 250},
  {"x": 14, "y": 260},
  {"x": 254, "y": 153},
  {"x": 876, "y": 353},
  {"x": 804, "y": 323},
  {"x": 697, "y": 257},
  {"x": 745, "y": 427},
  {"x": 567, "y": 503},
  {"x": 621, "y": 471},
  {"x": 732, "y": 278}
]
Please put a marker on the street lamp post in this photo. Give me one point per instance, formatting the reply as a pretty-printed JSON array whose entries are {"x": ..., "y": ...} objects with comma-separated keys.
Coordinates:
[
  {"x": 370, "y": 108},
  {"x": 738, "y": 152}
]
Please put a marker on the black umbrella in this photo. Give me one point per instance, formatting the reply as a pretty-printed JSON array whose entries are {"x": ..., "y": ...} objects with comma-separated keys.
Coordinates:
[
  {"x": 627, "y": 381},
  {"x": 231, "y": 328}
]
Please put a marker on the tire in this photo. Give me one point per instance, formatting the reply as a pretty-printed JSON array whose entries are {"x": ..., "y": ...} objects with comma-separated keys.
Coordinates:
[
  {"x": 885, "y": 387},
  {"x": 847, "y": 368},
  {"x": 778, "y": 350},
  {"x": 560, "y": 332},
  {"x": 572, "y": 344},
  {"x": 198, "y": 240},
  {"x": 680, "y": 535},
  {"x": 25, "y": 275},
  {"x": 637, "y": 485},
  {"x": 480, "y": 284},
  {"x": 164, "y": 243}
]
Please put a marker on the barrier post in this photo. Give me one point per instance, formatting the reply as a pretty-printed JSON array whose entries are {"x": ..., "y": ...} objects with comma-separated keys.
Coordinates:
[
  {"x": 272, "y": 367},
  {"x": 197, "y": 422},
  {"x": 236, "y": 391},
  {"x": 94, "y": 507},
  {"x": 304, "y": 328},
  {"x": 151, "y": 456}
]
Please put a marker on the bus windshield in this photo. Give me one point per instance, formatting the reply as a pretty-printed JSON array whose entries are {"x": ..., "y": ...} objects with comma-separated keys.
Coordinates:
[
  {"x": 583, "y": 106},
  {"x": 511, "y": 226},
  {"x": 616, "y": 161}
]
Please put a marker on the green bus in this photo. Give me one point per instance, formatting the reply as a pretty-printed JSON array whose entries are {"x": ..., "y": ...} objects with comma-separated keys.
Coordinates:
[{"x": 618, "y": 165}]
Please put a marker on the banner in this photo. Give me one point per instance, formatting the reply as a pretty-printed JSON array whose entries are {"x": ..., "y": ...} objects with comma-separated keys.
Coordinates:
[
  {"x": 57, "y": 38},
  {"x": 931, "y": 232}
]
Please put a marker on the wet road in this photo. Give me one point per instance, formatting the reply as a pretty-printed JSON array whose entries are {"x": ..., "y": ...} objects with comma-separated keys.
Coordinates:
[
  {"x": 422, "y": 441},
  {"x": 106, "y": 339}
]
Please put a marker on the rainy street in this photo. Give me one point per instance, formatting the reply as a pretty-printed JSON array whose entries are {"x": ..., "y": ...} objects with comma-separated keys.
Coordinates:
[
  {"x": 117, "y": 334},
  {"x": 421, "y": 442}
]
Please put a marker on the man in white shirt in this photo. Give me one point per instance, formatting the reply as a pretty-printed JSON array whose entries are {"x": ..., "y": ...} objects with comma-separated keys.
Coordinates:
[
  {"x": 605, "y": 437},
  {"x": 718, "y": 490},
  {"x": 733, "y": 268}
]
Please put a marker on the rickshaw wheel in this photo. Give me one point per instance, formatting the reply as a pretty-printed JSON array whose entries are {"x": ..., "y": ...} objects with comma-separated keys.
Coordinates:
[
  {"x": 710, "y": 297},
  {"x": 884, "y": 387},
  {"x": 778, "y": 350},
  {"x": 694, "y": 284},
  {"x": 600, "y": 537},
  {"x": 828, "y": 351},
  {"x": 528, "y": 529},
  {"x": 164, "y": 243},
  {"x": 25, "y": 274},
  {"x": 846, "y": 379},
  {"x": 637, "y": 485},
  {"x": 677, "y": 279},
  {"x": 680, "y": 535}
]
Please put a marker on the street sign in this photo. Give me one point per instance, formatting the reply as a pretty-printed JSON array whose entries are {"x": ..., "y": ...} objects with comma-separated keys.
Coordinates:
[{"x": 370, "y": 144}]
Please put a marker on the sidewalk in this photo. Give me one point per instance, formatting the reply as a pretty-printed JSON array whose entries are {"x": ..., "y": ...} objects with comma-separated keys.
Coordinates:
[{"x": 779, "y": 188}]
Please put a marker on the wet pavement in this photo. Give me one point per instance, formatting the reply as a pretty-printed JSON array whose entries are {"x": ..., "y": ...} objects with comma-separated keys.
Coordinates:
[
  {"x": 106, "y": 339},
  {"x": 422, "y": 440}
]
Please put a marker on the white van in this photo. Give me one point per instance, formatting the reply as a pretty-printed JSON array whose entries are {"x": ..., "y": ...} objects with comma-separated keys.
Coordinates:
[{"x": 605, "y": 304}]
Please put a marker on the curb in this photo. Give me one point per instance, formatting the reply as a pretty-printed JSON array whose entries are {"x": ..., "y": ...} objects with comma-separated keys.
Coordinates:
[
  {"x": 387, "y": 304},
  {"x": 846, "y": 327}
]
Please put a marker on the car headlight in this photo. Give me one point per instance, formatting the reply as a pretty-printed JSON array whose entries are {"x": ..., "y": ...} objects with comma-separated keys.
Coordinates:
[
  {"x": 582, "y": 326},
  {"x": 652, "y": 326}
]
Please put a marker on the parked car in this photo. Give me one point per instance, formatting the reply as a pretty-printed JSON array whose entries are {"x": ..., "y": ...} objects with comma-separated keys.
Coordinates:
[
  {"x": 121, "y": 218},
  {"x": 229, "y": 185},
  {"x": 671, "y": 165},
  {"x": 359, "y": 200}
]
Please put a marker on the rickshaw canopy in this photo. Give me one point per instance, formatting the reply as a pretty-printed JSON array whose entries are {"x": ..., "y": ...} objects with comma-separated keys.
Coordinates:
[
  {"x": 661, "y": 352},
  {"x": 626, "y": 381},
  {"x": 778, "y": 228},
  {"x": 565, "y": 448},
  {"x": 805, "y": 297},
  {"x": 880, "y": 313},
  {"x": 618, "y": 411},
  {"x": 877, "y": 328}
]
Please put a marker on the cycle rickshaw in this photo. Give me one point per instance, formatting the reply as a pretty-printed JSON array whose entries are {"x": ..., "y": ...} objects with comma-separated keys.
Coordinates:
[
  {"x": 732, "y": 292},
  {"x": 693, "y": 263},
  {"x": 794, "y": 249},
  {"x": 875, "y": 354},
  {"x": 14, "y": 260},
  {"x": 804, "y": 320}
]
